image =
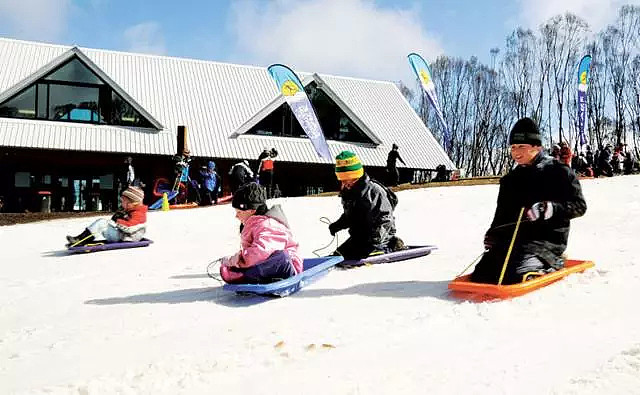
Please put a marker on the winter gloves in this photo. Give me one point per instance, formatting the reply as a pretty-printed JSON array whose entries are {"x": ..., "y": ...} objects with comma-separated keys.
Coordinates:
[
  {"x": 489, "y": 242},
  {"x": 120, "y": 214},
  {"x": 334, "y": 228},
  {"x": 540, "y": 211},
  {"x": 231, "y": 261}
]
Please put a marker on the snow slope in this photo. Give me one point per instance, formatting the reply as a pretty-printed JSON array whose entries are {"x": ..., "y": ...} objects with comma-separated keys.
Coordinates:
[{"x": 150, "y": 321}]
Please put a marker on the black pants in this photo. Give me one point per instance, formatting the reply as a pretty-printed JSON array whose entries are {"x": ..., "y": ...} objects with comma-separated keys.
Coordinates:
[
  {"x": 488, "y": 270},
  {"x": 357, "y": 249},
  {"x": 393, "y": 176},
  {"x": 266, "y": 180}
]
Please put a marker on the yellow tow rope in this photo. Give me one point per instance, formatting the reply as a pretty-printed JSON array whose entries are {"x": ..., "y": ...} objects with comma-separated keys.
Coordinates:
[{"x": 513, "y": 239}]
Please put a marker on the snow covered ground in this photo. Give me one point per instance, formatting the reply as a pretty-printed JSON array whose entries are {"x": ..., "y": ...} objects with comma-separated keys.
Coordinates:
[{"x": 150, "y": 321}]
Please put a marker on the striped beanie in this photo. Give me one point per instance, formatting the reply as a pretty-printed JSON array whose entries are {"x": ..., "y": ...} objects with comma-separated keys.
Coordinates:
[
  {"x": 348, "y": 166},
  {"x": 134, "y": 194}
]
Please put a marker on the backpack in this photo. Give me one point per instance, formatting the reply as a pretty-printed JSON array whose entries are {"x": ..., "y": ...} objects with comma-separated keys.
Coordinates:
[{"x": 393, "y": 198}]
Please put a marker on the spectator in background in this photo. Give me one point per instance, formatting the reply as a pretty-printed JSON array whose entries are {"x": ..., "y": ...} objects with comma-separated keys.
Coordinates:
[
  {"x": 265, "y": 169},
  {"x": 565, "y": 153},
  {"x": 392, "y": 171},
  {"x": 629, "y": 163},
  {"x": 555, "y": 151},
  {"x": 604, "y": 160},
  {"x": 589, "y": 157},
  {"x": 209, "y": 184}
]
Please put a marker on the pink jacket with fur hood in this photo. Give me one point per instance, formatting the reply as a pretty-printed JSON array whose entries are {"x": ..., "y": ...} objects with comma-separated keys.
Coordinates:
[{"x": 263, "y": 235}]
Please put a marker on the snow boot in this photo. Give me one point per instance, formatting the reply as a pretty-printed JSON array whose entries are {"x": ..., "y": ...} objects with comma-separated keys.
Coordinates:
[
  {"x": 83, "y": 238},
  {"x": 397, "y": 244}
]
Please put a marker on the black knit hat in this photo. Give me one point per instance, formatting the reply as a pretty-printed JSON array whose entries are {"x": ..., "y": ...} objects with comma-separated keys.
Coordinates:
[
  {"x": 249, "y": 197},
  {"x": 525, "y": 131}
]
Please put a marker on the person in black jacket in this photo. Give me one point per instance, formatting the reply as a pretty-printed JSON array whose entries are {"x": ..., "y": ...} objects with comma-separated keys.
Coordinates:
[
  {"x": 240, "y": 174},
  {"x": 392, "y": 170},
  {"x": 368, "y": 212},
  {"x": 550, "y": 194}
]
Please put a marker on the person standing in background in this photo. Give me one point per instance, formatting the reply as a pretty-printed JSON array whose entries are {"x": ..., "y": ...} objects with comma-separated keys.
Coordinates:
[{"x": 392, "y": 170}]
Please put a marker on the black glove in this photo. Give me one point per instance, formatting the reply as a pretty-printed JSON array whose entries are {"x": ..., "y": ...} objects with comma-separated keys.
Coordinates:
[
  {"x": 489, "y": 242},
  {"x": 334, "y": 228},
  {"x": 118, "y": 215}
]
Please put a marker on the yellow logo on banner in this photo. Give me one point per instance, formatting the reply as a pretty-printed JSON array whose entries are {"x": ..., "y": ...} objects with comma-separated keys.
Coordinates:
[
  {"x": 289, "y": 88},
  {"x": 424, "y": 76},
  {"x": 583, "y": 77}
]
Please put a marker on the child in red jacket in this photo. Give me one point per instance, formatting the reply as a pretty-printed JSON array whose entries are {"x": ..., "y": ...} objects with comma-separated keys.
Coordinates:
[{"x": 126, "y": 225}]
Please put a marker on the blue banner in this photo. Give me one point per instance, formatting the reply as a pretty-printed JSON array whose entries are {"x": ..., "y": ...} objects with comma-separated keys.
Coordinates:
[
  {"x": 583, "y": 86},
  {"x": 423, "y": 72},
  {"x": 291, "y": 88}
]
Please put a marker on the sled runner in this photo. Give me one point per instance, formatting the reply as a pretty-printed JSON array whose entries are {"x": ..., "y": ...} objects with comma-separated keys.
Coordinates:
[
  {"x": 463, "y": 288},
  {"x": 314, "y": 268},
  {"x": 103, "y": 245},
  {"x": 409, "y": 253}
]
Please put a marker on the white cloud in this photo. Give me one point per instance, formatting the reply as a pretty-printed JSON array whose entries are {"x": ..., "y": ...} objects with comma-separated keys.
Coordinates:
[
  {"x": 44, "y": 20},
  {"x": 346, "y": 37},
  {"x": 145, "y": 37},
  {"x": 598, "y": 13}
]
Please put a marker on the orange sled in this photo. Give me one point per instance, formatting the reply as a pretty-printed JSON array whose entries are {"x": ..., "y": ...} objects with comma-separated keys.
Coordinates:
[
  {"x": 183, "y": 205},
  {"x": 463, "y": 288}
]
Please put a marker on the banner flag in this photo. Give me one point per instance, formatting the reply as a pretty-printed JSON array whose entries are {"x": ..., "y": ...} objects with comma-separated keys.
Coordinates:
[
  {"x": 583, "y": 86},
  {"x": 423, "y": 72},
  {"x": 291, "y": 88}
]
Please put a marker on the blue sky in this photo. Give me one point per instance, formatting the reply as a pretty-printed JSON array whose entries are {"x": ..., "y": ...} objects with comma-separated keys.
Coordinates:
[{"x": 359, "y": 38}]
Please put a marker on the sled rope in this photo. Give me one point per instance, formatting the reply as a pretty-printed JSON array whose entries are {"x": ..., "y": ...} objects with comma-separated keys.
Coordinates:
[
  {"x": 327, "y": 221},
  {"x": 214, "y": 275},
  {"x": 471, "y": 264},
  {"x": 513, "y": 239}
]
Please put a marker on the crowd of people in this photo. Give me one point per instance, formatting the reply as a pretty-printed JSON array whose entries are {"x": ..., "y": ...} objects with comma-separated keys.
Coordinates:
[{"x": 605, "y": 161}]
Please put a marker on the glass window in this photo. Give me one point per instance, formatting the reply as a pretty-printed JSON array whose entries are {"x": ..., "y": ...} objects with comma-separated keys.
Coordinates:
[
  {"x": 22, "y": 179},
  {"x": 335, "y": 124},
  {"x": 74, "y": 71},
  {"x": 73, "y": 93},
  {"x": 74, "y": 103},
  {"x": 122, "y": 113},
  {"x": 43, "y": 93},
  {"x": 21, "y": 106}
]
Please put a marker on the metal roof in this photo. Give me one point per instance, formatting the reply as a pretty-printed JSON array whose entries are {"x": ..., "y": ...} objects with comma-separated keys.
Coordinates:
[{"x": 214, "y": 100}]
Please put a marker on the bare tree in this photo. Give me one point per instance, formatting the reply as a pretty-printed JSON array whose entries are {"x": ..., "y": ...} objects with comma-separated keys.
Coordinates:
[
  {"x": 619, "y": 42},
  {"x": 519, "y": 66},
  {"x": 566, "y": 34},
  {"x": 597, "y": 93}
]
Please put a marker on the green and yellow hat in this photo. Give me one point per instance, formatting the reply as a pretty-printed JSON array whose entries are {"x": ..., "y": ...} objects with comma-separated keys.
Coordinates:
[{"x": 348, "y": 166}]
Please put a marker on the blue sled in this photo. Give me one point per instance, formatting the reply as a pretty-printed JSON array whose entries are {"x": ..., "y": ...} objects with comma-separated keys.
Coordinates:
[
  {"x": 409, "y": 253},
  {"x": 103, "y": 246},
  {"x": 314, "y": 268},
  {"x": 158, "y": 203}
]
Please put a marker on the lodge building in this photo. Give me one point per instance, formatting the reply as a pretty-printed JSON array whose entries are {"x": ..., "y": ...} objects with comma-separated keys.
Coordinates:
[{"x": 69, "y": 117}]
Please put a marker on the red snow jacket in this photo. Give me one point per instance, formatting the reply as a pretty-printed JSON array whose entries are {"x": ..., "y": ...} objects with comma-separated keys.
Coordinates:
[{"x": 133, "y": 226}]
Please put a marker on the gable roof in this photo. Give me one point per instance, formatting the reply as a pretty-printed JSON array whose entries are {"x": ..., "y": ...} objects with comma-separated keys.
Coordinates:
[
  {"x": 280, "y": 99},
  {"x": 214, "y": 100}
]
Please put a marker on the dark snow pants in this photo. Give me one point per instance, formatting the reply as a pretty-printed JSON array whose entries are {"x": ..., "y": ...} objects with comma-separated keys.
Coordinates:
[
  {"x": 277, "y": 267},
  {"x": 488, "y": 270}
]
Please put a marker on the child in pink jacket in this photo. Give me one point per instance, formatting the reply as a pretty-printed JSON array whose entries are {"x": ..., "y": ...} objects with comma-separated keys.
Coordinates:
[{"x": 268, "y": 251}]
